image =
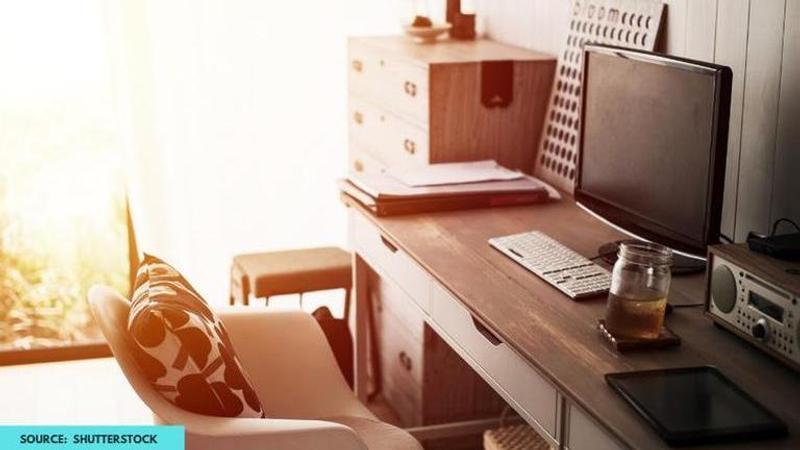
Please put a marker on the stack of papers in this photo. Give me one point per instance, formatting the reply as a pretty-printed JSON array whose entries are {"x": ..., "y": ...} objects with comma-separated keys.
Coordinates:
[
  {"x": 447, "y": 186},
  {"x": 454, "y": 173}
]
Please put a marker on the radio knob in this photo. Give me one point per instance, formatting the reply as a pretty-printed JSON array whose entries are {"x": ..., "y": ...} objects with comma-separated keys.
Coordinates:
[{"x": 760, "y": 329}]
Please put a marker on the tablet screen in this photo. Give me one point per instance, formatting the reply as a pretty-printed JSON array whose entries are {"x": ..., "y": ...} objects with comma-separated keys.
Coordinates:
[{"x": 694, "y": 404}]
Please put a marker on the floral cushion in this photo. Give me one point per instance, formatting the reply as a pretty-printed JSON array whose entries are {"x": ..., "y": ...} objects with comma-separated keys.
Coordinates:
[{"x": 183, "y": 348}]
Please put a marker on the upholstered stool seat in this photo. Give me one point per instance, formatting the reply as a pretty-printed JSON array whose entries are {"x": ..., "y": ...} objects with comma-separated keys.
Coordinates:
[{"x": 263, "y": 275}]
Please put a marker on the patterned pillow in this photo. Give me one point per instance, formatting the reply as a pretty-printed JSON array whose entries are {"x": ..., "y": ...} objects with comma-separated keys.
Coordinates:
[{"x": 183, "y": 348}]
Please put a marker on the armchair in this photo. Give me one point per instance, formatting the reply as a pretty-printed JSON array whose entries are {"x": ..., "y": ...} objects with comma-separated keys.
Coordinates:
[{"x": 306, "y": 398}]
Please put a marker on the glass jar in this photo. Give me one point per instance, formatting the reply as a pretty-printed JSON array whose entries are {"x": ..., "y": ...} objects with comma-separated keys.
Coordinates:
[{"x": 637, "y": 299}]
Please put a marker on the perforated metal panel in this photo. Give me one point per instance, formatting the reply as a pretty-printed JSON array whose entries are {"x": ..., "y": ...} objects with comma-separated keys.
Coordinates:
[{"x": 625, "y": 23}]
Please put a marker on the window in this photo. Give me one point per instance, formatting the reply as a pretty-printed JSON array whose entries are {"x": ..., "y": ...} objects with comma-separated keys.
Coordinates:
[{"x": 63, "y": 216}]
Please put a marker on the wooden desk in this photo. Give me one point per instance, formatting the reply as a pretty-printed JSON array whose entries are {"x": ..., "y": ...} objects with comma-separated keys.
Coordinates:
[{"x": 538, "y": 349}]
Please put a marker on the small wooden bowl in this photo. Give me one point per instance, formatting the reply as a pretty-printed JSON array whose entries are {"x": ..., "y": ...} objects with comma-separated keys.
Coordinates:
[{"x": 427, "y": 35}]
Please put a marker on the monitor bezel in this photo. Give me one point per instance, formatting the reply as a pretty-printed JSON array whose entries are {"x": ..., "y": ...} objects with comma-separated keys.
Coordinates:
[{"x": 635, "y": 223}]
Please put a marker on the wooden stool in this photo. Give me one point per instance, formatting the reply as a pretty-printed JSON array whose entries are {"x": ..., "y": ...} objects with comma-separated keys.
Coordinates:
[
  {"x": 514, "y": 437},
  {"x": 263, "y": 275}
]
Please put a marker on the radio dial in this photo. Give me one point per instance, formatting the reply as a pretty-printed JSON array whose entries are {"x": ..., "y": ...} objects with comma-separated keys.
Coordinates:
[{"x": 760, "y": 329}]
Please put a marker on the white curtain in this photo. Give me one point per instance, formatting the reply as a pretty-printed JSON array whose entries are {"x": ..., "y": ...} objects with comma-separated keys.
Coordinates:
[{"x": 233, "y": 116}]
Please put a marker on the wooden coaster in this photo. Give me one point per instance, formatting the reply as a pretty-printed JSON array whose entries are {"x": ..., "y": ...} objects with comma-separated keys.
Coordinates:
[{"x": 665, "y": 339}]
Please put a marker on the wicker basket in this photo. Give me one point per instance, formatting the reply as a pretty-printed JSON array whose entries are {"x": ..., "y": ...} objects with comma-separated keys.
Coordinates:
[{"x": 515, "y": 437}]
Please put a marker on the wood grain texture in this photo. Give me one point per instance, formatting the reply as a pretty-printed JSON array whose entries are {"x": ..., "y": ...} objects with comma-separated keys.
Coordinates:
[
  {"x": 558, "y": 336},
  {"x": 731, "y": 51},
  {"x": 786, "y": 187},
  {"x": 412, "y": 105},
  {"x": 462, "y": 130},
  {"x": 448, "y": 52},
  {"x": 760, "y": 116}
]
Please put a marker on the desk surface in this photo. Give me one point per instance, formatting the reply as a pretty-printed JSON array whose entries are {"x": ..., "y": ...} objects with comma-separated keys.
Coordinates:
[{"x": 559, "y": 336}]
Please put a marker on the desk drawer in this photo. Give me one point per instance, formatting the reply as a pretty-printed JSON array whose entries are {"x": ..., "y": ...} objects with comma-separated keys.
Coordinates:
[
  {"x": 584, "y": 434},
  {"x": 401, "y": 365},
  {"x": 393, "y": 141},
  {"x": 392, "y": 305},
  {"x": 529, "y": 390},
  {"x": 393, "y": 262},
  {"x": 398, "y": 83}
]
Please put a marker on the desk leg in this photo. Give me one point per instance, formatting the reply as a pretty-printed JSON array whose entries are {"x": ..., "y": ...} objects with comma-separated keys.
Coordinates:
[{"x": 361, "y": 291}]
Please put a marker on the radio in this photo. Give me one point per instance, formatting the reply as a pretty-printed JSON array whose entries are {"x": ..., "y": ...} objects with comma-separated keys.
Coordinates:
[{"x": 756, "y": 297}]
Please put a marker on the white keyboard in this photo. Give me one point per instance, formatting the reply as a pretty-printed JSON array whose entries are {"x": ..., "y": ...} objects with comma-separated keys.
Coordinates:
[{"x": 565, "y": 269}]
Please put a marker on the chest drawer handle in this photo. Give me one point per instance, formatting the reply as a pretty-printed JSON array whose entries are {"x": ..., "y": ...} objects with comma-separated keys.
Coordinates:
[
  {"x": 410, "y": 88},
  {"x": 358, "y": 166},
  {"x": 358, "y": 66},
  {"x": 410, "y": 146},
  {"x": 389, "y": 245},
  {"x": 491, "y": 337},
  {"x": 405, "y": 360},
  {"x": 358, "y": 117}
]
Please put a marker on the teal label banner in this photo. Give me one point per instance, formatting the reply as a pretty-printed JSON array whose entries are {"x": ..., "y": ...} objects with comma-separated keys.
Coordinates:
[{"x": 149, "y": 437}]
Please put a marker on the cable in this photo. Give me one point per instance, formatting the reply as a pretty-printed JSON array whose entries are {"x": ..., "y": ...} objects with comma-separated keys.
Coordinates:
[
  {"x": 783, "y": 219},
  {"x": 602, "y": 255},
  {"x": 504, "y": 415}
]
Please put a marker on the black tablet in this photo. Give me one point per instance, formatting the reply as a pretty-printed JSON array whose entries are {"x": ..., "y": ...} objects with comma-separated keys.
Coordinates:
[{"x": 695, "y": 405}]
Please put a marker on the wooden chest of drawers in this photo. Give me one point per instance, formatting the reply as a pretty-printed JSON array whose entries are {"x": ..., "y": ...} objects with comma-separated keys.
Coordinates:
[{"x": 412, "y": 104}]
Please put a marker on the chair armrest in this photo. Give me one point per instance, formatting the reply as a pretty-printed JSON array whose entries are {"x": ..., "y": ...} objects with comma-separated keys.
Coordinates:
[
  {"x": 215, "y": 433},
  {"x": 290, "y": 363}
]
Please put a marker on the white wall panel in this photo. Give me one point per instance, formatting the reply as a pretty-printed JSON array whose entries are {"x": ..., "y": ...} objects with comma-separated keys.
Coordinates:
[
  {"x": 731, "y": 51},
  {"x": 701, "y": 17},
  {"x": 786, "y": 189},
  {"x": 760, "y": 114},
  {"x": 674, "y": 35}
]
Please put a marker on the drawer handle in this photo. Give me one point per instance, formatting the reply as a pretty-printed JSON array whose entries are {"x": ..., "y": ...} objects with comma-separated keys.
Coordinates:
[
  {"x": 410, "y": 88},
  {"x": 491, "y": 337},
  {"x": 405, "y": 360},
  {"x": 358, "y": 166},
  {"x": 392, "y": 248},
  {"x": 358, "y": 117},
  {"x": 358, "y": 66},
  {"x": 410, "y": 146}
]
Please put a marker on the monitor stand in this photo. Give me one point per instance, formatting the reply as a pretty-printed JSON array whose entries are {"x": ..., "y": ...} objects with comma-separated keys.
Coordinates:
[{"x": 681, "y": 265}]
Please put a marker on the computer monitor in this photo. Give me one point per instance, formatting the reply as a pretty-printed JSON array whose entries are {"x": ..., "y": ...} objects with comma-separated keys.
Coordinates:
[{"x": 654, "y": 133}]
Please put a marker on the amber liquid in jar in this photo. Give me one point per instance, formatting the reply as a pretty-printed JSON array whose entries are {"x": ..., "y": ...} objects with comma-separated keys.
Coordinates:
[
  {"x": 640, "y": 282},
  {"x": 635, "y": 317}
]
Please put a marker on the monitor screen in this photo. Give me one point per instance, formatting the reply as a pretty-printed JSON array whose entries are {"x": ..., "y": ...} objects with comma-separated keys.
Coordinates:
[{"x": 653, "y": 145}]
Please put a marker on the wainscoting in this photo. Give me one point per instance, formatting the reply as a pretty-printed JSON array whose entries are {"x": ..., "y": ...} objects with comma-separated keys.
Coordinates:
[{"x": 760, "y": 41}]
